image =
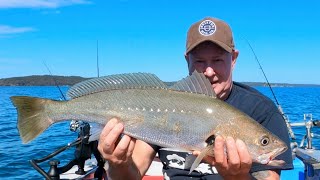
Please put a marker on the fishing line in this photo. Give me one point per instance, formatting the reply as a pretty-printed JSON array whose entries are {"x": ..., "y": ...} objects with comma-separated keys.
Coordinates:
[
  {"x": 274, "y": 96},
  {"x": 55, "y": 82},
  {"x": 264, "y": 74},
  {"x": 98, "y": 71}
]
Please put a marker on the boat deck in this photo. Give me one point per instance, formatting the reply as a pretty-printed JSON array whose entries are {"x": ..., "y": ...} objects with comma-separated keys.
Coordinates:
[{"x": 309, "y": 156}]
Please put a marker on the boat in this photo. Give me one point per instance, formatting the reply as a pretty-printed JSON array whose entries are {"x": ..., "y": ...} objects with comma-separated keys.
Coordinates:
[
  {"x": 306, "y": 159},
  {"x": 83, "y": 165}
]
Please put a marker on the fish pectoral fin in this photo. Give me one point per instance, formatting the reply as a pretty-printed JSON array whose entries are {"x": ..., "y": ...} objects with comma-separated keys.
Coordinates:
[{"x": 206, "y": 151}]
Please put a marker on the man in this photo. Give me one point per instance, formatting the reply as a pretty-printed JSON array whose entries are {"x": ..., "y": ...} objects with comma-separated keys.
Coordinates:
[{"x": 210, "y": 49}]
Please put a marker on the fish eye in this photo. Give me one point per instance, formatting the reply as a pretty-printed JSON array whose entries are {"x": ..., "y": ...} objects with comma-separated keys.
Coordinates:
[{"x": 264, "y": 141}]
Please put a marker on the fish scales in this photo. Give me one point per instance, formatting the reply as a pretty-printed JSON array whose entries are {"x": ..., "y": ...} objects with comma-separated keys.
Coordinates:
[{"x": 169, "y": 114}]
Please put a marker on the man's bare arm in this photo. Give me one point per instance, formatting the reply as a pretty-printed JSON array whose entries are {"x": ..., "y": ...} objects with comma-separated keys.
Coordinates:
[{"x": 143, "y": 156}]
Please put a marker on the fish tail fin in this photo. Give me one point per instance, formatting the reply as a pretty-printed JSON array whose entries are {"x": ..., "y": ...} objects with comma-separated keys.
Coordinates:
[{"x": 32, "y": 120}]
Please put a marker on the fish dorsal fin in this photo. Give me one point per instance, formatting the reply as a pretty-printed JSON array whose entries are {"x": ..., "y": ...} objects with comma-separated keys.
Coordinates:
[
  {"x": 195, "y": 83},
  {"x": 113, "y": 82}
]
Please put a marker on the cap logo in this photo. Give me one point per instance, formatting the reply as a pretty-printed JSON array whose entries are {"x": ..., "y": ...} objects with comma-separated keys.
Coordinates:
[{"x": 207, "y": 28}]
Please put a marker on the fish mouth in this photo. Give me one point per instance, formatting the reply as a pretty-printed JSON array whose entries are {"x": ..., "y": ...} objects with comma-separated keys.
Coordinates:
[
  {"x": 277, "y": 152},
  {"x": 268, "y": 157}
]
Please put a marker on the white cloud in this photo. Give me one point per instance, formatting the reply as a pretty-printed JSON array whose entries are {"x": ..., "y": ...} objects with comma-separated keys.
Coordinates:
[
  {"x": 4, "y": 29},
  {"x": 39, "y": 3}
]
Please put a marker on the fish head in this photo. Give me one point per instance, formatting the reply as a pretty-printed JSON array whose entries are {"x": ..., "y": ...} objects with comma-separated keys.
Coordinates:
[
  {"x": 263, "y": 145},
  {"x": 265, "y": 148}
]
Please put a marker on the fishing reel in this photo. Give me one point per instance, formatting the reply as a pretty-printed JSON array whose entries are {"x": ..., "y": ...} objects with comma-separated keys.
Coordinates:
[
  {"x": 83, "y": 151},
  {"x": 78, "y": 125}
]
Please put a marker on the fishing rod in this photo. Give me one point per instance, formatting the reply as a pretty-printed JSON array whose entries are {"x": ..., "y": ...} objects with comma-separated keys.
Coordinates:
[
  {"x": 98, "y": 59},
  {"x": 274, "y": 96},
  {"x": 55, "y": 82},
  {"x": 83, "y": 151},
  {"x": 54, "y": 171}
]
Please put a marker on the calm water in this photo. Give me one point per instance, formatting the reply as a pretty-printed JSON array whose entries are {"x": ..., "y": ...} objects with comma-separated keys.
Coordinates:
[{"x": 14, "y": 155}]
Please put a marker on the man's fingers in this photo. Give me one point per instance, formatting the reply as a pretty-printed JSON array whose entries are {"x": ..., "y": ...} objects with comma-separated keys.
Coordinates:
[
  {"x": 111, "y": 138},
  {"x": 131, "y": 147},
  {"x": 219, "y": 153},
  {"x": 231, "y": 158},
  {"x": 246, "y": 160},
  {"x": 232, "y": 153},
  {"x": 122, "y": 147},
  {"x": 108, "y": 127}
]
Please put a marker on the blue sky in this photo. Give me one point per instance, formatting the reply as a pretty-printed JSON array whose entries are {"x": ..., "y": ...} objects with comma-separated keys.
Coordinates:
[{"x": 149, "y": 36}]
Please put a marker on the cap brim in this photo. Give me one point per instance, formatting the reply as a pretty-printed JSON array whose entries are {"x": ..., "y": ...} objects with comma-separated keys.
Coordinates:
[{"x": 221, "y": 44}]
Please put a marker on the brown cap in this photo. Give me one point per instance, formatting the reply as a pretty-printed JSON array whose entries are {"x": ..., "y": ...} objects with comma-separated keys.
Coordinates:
[{"x": 210, "y": 29}]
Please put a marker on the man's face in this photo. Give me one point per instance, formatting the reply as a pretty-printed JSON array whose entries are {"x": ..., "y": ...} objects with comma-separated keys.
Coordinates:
[{"x": 216, "y": 64}]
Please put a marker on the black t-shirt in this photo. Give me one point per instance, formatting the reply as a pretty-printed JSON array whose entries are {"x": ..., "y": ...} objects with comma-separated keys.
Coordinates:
[{"x": 176, "y": 164}]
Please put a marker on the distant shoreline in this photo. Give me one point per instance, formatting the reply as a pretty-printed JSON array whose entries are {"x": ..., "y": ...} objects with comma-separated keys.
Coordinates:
[
  {"x": 42, "y": 80},
  {"x": 48, "y": 80}
]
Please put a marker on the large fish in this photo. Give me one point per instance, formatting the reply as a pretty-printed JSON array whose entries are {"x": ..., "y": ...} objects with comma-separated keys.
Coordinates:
[{"x": 186, "y": 116}]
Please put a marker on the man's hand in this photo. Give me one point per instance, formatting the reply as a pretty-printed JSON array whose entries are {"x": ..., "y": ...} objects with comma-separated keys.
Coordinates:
[
  {"x": 128, "y": 158},
  {"x": 118, "y": 152},
  {"x": 235, "y": 163}
]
